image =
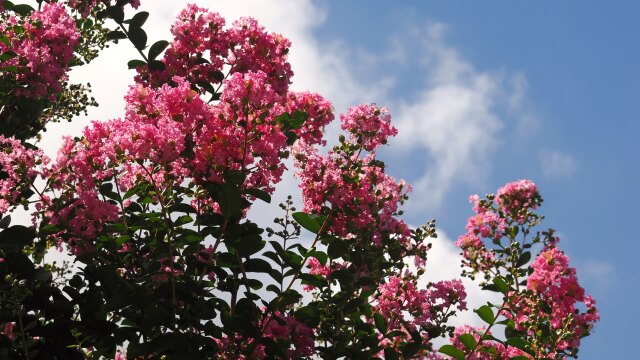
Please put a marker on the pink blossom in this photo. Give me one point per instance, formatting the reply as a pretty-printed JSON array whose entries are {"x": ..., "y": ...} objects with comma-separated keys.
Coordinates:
[
  {"x": 369, "y": 125},
  {"x": 19, "y": 166},
  {"x": 43, "y": 50}
]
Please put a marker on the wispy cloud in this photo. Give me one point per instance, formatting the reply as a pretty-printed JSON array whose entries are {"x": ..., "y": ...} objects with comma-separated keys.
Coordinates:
[
  {"x": 556, "y": 164},
  {"x": 452, "y": 124}
]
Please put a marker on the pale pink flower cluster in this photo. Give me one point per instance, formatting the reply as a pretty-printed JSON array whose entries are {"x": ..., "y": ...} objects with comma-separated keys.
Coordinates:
[
  {"x": 485, "y": 224},
  {"x": 43, "y": 43},
  {"x": 368, "y": 125},
  {"x": 202, "y": 46},
  {"x": 555, "y": 283},
  {"x": 501, "y": 352},
  {"x": 516, "y": 198},
  {"x": 319, "y": 114},
  {"x": 367, "y": 199},
  {"x": 403, "y": 305},
  {"x": 19, "y": 166}
]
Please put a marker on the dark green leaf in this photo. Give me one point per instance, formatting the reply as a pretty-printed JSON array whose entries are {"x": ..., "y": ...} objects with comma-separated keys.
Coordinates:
[
  {"x": 518, "y": 343},
  {"x": 116, "y": 13},
  {"x": 157, "y": 65},
  {"x": 313, "y": 280},
  {"x": 298, "y": 119},
  {"x": 257, "y": 265},
  {"x": 523, "y": 259},
  {"x": 157, "y": 48},
  {"x": 181, "y": 207},
  {"x": 452, "y": 351},
  {"x": 411, "y": 349},
  {"x": 468, "y": 341},
  {"x": 116, "y": 35},
  {"x": 134, "y": 64},
  {"x": 16, "y": 237},
  {"x": 4, "y": 223},
  {"x": 260, "y": 194},
  {"x": 138, "y": 19},
  {"x": 381, "y": 322},
  {"x": 337, "y": 249},
  {"x": 390, "y": 354},
  {"x": 308, "y": 315},
  {"x": 138, "y": 37},
  {"x": 310, "y": 222},
  {"x": 22, "y": 9},
  {"x": 501, "y": 285},
  {"x": 485, "y": 314}
]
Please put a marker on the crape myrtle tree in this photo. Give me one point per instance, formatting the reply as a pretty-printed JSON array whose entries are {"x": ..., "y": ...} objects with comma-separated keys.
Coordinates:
[{"x": 153, "y": 208}]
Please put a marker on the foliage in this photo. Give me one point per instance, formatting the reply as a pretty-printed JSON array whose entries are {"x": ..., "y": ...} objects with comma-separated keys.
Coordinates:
[{"x": 154, "y": 208}]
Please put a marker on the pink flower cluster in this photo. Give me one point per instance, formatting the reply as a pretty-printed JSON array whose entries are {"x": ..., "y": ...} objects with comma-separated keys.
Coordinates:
[
  {"x": 365, "y": 199},
  {"x": 289, "y": 329},
  {"x": 43, "y": 43},
  {"x": 319, "y": 114},
  {"x": 555, "y": 283},
  {"x": 484, "y": 224},
  {"x": 402, "y": 304},
  {"x": 500, "y": 351},
  {"x": 19, "y": 166},
  {"x": 516, "y": 198},
  {"x": 202, "y": 47},
  {"x": 368, "y": 125}
]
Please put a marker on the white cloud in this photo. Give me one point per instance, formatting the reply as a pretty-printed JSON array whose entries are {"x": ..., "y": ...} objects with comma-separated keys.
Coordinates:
[
  {"x": 556, "y": 164},
  {"x": 454, "y": 121},
  {"x": 600, "y": 273}
]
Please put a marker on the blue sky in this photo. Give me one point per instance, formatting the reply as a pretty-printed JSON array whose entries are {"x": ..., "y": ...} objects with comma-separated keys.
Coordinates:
[
  {"x": 483, "y": 93},
  {"x": 580, "y": 63}
]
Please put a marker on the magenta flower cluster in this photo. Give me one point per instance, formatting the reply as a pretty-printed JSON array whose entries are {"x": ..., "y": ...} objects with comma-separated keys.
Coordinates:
[{"x": 43, "y": 44}]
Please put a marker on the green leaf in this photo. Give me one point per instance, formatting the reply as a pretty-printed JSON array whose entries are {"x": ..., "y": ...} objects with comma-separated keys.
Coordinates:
[
  {"x": 116, "y": 35},
  {"x": 134, "y": 64},
  {"x": 16, "y": 237},
  {"x": 468, "y": 341},
  {"x": 523, "y": 259},
  {"x": 5, "y": 222},
  {"x": 501, "y": 285},
  {"x": 182, "y": 207},
  {"x": 452, "y": 351},
  {"x": 313, "y": 280},
  {"x": 116, "y": 13},
  {"x": 390, "y": 354},
  {"x": 22, "y": 9},
  {"x": 381, "y": 323},
  {"x": 260, "y": 194},
  {"x": 138, "y": 19},
  {"x": 157, "y": 65},
  {"x": 485, "y": 314},
  {"x": 411, "y": 349},
  {"x": 184, "y": 219},
  {"x": 518, "y": 343},
  {"x": 138, "y": 37},
  {"x": 157, "y": 48},
  {"x": 257, "y": 265},
  {"x": 298, "y": 119},
  {"x": 310, "y": 222},
  {"x": 337, "y": 248},
  {"x": 308, "y": 315},
  {"x": 519, "y": 357}
]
